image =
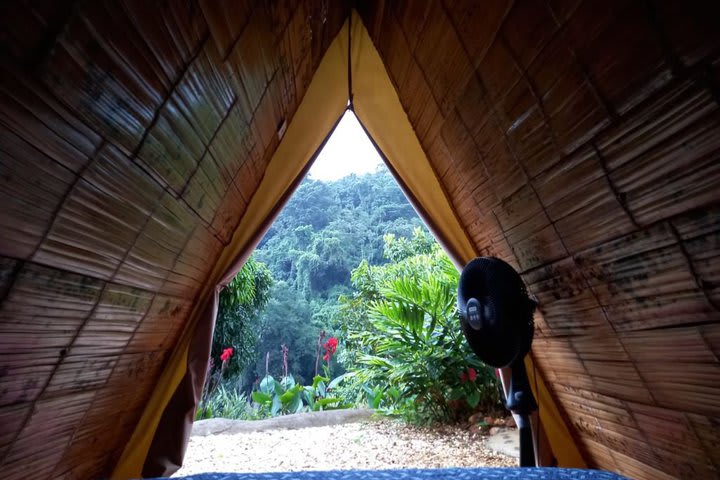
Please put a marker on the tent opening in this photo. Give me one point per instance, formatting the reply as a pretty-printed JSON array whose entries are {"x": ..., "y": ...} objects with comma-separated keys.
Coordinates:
[{"x": 297, "y": 326}]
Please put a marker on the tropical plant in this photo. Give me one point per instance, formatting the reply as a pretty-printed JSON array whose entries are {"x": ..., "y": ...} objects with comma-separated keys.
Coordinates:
[
  {"x": 319, "y": 396},
  {"x": 288, "y": 320},
  {"x": 410, "y": 354},
  {"x": 324, "y": 232},
  {"x": 221, "y": 397},
  {"x": 280, "y": 397},
  {"x": 238, "y": 320},
  {"x": 213, "y": 379},
  {"x": 229, "y": 403},
  {"x": 286, "y": 396}
]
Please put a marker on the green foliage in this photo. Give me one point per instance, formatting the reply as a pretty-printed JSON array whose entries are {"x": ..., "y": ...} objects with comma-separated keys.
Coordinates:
[
  {"x": 288, "y": 320},
  {"x": 324, "y": 232},
  {"x": 398, "y": 249},
  {"x": 238, "y": 319},
  {"x": 228, "y": 403},
  {"x": 327, "y": 228},
  {"x": 320, "y": 396},
  {"x": 286, "y": 396},
  {"x": 405, "y": 337},
  {"x": 281, "y": 397},
  {"x": 382, "y": 398},
  {"x": 248, "y": 288},
  {"x": 350, "y": 258}
]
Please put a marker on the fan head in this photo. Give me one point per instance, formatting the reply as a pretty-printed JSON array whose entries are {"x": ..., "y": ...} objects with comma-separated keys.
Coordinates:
[{"x": 495, "y": 311}]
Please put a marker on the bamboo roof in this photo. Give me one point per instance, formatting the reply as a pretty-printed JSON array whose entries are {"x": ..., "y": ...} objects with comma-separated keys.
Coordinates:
[{"x": 576, "y": 139}]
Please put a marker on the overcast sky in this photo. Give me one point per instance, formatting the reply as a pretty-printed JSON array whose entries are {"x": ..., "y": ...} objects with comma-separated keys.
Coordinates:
[{"x": 347, "y": 151}]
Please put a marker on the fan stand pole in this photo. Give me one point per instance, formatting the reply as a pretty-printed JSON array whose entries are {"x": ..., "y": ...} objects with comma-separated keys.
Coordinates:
[{"x": 521, "y": 402}]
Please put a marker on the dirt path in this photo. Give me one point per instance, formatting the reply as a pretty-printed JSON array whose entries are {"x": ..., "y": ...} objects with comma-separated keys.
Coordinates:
[{"x": 366, "y": 445}]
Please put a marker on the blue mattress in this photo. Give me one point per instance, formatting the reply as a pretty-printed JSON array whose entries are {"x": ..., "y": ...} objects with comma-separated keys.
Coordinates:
[{"x": 424, "y": 474}]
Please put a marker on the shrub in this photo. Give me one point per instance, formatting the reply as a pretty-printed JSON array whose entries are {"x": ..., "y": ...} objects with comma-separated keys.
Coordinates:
[
  {"x": 227, "y": 402},
  {"x": 411, "y": 356}
]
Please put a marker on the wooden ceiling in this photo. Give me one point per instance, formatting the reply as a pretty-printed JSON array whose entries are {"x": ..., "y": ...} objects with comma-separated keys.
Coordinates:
[{"x": 577, "y": 139}]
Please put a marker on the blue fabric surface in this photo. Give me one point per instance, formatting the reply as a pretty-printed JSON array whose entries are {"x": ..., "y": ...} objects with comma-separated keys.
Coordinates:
[{"x": 424, "y": 474}]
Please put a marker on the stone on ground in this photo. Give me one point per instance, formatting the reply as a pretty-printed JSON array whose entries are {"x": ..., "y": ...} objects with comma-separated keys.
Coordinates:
[{"x": 505, "y": 441}]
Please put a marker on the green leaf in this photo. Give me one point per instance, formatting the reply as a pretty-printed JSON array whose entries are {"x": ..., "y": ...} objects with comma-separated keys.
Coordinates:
[
  {"x": 296, "y": 404},
  {"x": 309, "y": 395},
  {"x": 317, "y": 379},
  {"x": 323, "y": 402},
  {"x": 276, "y": 406},
  {"x": 261, "y": 398},
  {"x": 287, "y": 382},
  {"x": 376, "y": 400},
  {"x": 336, "y": 381},
  {"x": 456, "y": 394},
  {"x": 286, "y": 397},
  {"x": 473, "y": 399},
  {"x": 278, "y": 388},
  {"x": 267, "y": 385}
]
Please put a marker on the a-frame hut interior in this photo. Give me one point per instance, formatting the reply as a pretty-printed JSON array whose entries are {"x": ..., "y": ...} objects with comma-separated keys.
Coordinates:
[{"x": 146, "y": 146}]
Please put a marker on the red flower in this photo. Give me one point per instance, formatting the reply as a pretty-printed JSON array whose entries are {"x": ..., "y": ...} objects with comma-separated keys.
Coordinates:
[
  {"x": 472, "y": 374},
  {"x": 331, "y": 344},
  {"x": 330, "y": 347},
  {"x": 226, "y": 354},
  {"x": 463, "y": 377}
]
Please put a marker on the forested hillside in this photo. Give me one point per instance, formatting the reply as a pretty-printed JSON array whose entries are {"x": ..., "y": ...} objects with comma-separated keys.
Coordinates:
[
  {"x": 347, "y": 278},
  {"x": 324, "y": 232}
]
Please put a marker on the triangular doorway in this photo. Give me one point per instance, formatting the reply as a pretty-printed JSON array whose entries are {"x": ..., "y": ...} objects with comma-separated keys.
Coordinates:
[
  {"x": 347, "y": 231},
  {"x": 380, "y": 112},
  {"x": 336, "y": 219}
]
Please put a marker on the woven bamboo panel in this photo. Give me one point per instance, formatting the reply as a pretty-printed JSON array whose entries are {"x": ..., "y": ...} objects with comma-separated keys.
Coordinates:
[
  {"x": 132, "y": 137},
  {"x": 576, "y": 139},
  {"x": 579, "y": 140}
]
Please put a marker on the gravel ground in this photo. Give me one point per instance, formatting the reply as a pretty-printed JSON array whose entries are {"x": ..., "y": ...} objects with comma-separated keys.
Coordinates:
[{"x": 380, "y": 444}]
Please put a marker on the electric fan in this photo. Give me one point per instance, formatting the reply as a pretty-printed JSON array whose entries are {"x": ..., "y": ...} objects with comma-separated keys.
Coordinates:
[{"x": 497, "y": 319}]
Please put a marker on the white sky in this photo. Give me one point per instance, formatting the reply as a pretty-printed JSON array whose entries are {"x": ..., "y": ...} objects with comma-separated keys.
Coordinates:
[{"x": 347, "y": 151}]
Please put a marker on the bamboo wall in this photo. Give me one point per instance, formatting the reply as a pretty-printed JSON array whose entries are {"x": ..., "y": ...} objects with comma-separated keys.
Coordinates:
[
  {"x": 577, "y": 139},
  {"x": 132, "y": 136},
  {"x": 580, "y": 140}
]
